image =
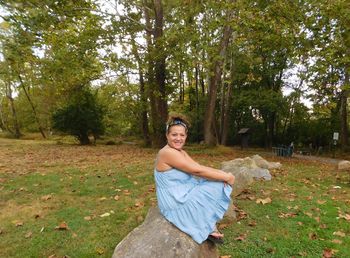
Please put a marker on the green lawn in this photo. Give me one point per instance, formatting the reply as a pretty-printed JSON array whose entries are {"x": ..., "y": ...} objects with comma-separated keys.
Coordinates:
[{"x": 52, "y": 197}]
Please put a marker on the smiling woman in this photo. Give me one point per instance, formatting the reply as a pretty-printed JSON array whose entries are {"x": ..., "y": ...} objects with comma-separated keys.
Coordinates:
[{"x": 191, "y": 196}]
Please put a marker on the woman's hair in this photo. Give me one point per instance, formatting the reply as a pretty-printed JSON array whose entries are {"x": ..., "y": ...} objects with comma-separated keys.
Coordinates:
[{"x": 177, "y": 119}]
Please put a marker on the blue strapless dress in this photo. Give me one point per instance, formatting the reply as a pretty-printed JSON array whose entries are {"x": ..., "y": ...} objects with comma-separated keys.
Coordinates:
[{"x": 193, "y": 205}]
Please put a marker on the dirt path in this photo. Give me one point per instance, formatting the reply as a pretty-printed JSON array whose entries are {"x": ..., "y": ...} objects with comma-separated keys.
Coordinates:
[{"x": 316, "y": 158}]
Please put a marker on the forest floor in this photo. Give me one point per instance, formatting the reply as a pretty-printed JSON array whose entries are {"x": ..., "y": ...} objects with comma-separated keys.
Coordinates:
[{"x": 58, "y": 199}]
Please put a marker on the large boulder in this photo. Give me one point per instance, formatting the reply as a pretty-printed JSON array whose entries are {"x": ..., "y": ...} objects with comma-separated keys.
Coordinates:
[
  {"x": 157, "y": 238},
  {"x": 243, "y": 178},
  {"x": 344, "y": 165}
]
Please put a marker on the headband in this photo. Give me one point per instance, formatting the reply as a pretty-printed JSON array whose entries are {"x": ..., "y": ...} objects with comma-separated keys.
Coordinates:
[{"x": 176, "y": 122}]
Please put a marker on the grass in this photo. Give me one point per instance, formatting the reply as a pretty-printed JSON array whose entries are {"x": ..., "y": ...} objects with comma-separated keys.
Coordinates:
[{"x": 47, "y": 185}]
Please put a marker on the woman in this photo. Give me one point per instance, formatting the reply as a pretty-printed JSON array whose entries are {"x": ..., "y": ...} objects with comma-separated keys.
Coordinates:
[{"x": 191, "y": 196}]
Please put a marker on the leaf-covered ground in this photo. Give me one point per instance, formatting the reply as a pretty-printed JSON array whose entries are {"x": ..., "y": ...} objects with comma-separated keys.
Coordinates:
[{"x": 80, "y": 201}]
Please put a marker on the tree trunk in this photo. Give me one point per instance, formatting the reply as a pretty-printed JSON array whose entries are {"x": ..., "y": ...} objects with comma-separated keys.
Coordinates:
[
  {"x": 226, "y": 113},
  {"x": 156, "y": 73},
  {"x": 17, "y": 132},
  {"x": 143, "y": 97},
  {"x": 160, "y": 67},
  {"x": 32, "y": 106},
  {"x": 215, "y": 78},
  {"x": 344, "y": 130}
]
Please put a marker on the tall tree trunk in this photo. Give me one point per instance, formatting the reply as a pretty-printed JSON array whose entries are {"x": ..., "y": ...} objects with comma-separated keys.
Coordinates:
[
  {"x": 156, "y": 73},
  {"x": 160, "y": 67},
  {"x": 143, "y": 97},
  {"x": 17, "y": 132},
  {"x": 3, "y": 123},
  {"x": 344, "y": 130},
  {"x": 226, "y": 112},
  {"x": 32, "y": 106},
  {"x": 215, "y": 77}
]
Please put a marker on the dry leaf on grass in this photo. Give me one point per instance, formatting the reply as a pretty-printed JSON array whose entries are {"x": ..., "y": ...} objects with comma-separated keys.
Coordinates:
[
  {"x": 46, "y": 197},
  {"x": 241, "y": 237},
  {"x": 252, "y": 223},
  {"x": 344, "y": 216},
  {"x": 62, "y": 226},
  {"x": 264, "y": 201},
  {"x": 28, "y": 235},
  {"x": 328, "y": 253},
  {"x": 313, "y": 236},
  {"x": 339, "y": 233},
  {"x": 105, "y": 215},
  {"x": 287, "y": 215},
  {"x": 116, "y": 197},
  {"x": 337, "y": 241},
  {"x": 225, "y": 256}
]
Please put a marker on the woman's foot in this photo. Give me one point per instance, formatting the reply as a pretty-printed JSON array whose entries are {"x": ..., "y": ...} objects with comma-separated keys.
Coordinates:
[{"x": 216, "y": 237}]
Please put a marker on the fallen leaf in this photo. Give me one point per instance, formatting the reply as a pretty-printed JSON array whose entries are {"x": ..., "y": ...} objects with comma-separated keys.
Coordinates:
[
  {"x": 346, "y": 216},
  {"x": 328, "y": 253},
  {"x": 339, "y": 233},
  {"x": 100, "y": 251},
  {"x": 88, "y": 218},
  {"x": 62, "y": 226},
  {"x": 252, "y": 223},
  {"x": 312, "y": 236},
  {"x": 126, "y": 192},
  {"x": 264, "y": 201},
  {"x": 225, "y": 256},
  {"x": 42, "y": 229},
  {"x": 270, "y": 250},
  {"x": 19, "y": 223},
  {"x": 300, "y": 223},
  {"x": 241, "y": 237},
  {"x": 46, "y": 197},
  {"x": 321, "y": 201},
  {"x": 287, "y": 215},
  {"x": 28, "y": 235},
  {"x": 139, "y": 219},
  {"x": 309, "y": 214},
  {"x": 105, "y": 215},
  {"x": 317, "y": 219},
  {"x": 139, "y": 204},
  {"x": 102, "y": 199},
  {"x": 323, "y": 226},
  {"x": 116, "y": 197},
  {"x": 337, "y": 241}
]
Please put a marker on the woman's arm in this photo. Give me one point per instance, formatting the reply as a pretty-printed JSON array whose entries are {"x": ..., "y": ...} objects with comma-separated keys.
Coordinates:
[{"x": 181, "y": 160}]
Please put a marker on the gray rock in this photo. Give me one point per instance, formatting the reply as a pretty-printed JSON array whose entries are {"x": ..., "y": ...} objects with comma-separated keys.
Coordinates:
[
  {"x": 157, "y": 238},
  {"x": 243, "y": 178},
  {"x": 262, "y": 163},
  {"x": 344, "y": 165}
]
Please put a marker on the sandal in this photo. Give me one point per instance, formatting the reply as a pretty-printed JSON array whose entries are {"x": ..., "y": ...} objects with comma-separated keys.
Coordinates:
[{"x": 215, "y": 240}]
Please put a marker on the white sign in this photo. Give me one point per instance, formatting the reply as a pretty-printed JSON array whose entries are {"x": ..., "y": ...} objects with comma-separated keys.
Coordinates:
[{"x": 336, "y": 136}]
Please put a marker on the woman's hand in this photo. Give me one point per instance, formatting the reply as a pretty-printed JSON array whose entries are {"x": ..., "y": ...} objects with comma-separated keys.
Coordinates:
[{"x": 231, "y": 179}]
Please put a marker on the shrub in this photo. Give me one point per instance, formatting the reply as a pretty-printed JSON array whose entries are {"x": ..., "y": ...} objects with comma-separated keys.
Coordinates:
[{"x": 81, "y": 116}]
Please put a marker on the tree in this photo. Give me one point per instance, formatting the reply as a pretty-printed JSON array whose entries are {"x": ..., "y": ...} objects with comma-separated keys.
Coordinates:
[{"x": 80, "y": 117}]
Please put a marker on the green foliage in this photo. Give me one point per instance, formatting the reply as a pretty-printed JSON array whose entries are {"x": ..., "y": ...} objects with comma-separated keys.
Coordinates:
[{"x": 81, "y": 116}]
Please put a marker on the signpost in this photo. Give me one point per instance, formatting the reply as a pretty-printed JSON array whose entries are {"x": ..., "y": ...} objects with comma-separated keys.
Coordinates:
[{"x": 335, "y": 140}]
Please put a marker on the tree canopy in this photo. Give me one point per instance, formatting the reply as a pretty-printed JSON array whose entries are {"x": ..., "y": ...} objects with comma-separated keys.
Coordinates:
[{"x": 280, "y": 68}]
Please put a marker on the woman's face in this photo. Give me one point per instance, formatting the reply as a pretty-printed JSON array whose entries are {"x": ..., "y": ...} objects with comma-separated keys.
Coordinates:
[{"x": 176, "y": 136}]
